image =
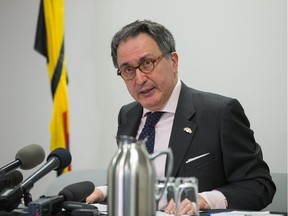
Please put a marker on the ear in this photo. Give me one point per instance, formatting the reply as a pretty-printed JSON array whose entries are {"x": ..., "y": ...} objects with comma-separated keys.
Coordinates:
[{"x": 174, "y": 59}]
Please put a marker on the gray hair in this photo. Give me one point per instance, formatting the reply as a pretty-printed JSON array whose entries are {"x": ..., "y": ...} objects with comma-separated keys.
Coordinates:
[{"x": 159, "y": 33}]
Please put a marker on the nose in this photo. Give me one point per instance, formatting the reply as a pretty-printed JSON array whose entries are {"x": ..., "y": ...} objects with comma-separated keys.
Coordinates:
[{"x": 140, "y": 77}]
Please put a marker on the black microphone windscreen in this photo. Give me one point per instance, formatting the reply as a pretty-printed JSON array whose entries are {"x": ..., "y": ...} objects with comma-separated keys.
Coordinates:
[
  {"x": 15, "y": 178},
  {"x": 77, "y": 191},
  {"x": 67, "y": 194},
  {"x": 30, "y": 156},
  {"x": 11, "y": 180},
  {"x": 63, "y": 155}
]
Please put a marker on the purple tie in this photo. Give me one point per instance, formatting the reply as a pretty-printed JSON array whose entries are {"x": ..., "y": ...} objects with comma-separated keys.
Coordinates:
[{"x": 149, "y": 129}]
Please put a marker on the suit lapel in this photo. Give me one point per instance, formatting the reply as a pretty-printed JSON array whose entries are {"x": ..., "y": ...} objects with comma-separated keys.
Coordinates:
[
  {"x": 131, "y": 123},
  {"x": 183, "y": 129}
]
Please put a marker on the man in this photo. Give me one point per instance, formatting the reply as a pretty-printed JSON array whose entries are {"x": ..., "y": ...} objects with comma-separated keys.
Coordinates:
[{"x": 209, "y": 134}]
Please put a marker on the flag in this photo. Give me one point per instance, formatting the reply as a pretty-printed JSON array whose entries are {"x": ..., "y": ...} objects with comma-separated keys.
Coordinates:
[{"x": 49, "y": 42}]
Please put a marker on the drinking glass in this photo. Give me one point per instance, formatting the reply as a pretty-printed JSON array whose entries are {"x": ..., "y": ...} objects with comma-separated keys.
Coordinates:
[{"x": 183, "y": 187}]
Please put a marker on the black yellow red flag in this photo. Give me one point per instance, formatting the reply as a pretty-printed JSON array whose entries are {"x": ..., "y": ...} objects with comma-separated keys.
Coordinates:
[{"x": 49, "y": 42}]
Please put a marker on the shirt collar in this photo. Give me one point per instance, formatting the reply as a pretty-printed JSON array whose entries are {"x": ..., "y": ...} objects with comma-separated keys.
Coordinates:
[{"x": 171, "y": 104}]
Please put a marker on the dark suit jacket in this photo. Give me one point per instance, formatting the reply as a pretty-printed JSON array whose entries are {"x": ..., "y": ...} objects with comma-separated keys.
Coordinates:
[{"x": 220, "y": 127}]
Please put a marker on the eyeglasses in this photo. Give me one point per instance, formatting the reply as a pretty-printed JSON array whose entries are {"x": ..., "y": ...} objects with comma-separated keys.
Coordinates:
[{"x": 128, "y": 72}]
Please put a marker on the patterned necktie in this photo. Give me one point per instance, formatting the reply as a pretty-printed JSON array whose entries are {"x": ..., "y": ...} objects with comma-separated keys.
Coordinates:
[{"x": 149, "y": 130}]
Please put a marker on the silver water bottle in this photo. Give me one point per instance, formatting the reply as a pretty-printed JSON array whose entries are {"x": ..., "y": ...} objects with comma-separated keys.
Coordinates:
[{"x": 132, "y": 179}]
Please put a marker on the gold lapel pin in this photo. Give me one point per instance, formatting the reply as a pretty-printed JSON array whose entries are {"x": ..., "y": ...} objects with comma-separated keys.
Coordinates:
[{"x": 187, "y": 130}]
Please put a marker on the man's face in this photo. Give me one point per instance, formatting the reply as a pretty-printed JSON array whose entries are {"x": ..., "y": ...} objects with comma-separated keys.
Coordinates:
[{"x": 151, "y": 90}]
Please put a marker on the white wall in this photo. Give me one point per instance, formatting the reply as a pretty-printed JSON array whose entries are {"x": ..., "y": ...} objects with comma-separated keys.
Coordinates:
[{"x": 236, "y": 48}]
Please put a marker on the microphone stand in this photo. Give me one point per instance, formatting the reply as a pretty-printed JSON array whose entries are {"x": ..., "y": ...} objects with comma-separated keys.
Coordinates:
[{"x": 27, "y": 197}]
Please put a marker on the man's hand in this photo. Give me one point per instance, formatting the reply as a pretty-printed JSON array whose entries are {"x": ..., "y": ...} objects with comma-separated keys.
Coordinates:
[
  {"x": 203, "y": 205},
  {"x": 186, "y": 207},
  {"x": 96, "y": 196}
]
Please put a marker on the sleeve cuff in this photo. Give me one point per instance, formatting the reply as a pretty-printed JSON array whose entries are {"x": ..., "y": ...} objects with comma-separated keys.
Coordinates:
[
  {"x": 104, "y": 190},
  {"x": 215, "y": 199}
]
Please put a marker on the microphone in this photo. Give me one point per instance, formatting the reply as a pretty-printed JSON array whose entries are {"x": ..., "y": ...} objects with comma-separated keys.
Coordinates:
[
  {"x": 74, "y": 193},
  {"x": 77, "y": 191},
  {"x": 10, "y": 199},
  {"x": 70, "y": 206},
  {"x": 11, "y": 180},
  {"x": 26, "y": 158},
  {"x": 56, "y": 160}
]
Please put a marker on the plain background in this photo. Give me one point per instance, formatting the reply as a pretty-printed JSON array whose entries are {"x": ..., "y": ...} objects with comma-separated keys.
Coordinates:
[{"x": 237, "y": 48}]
